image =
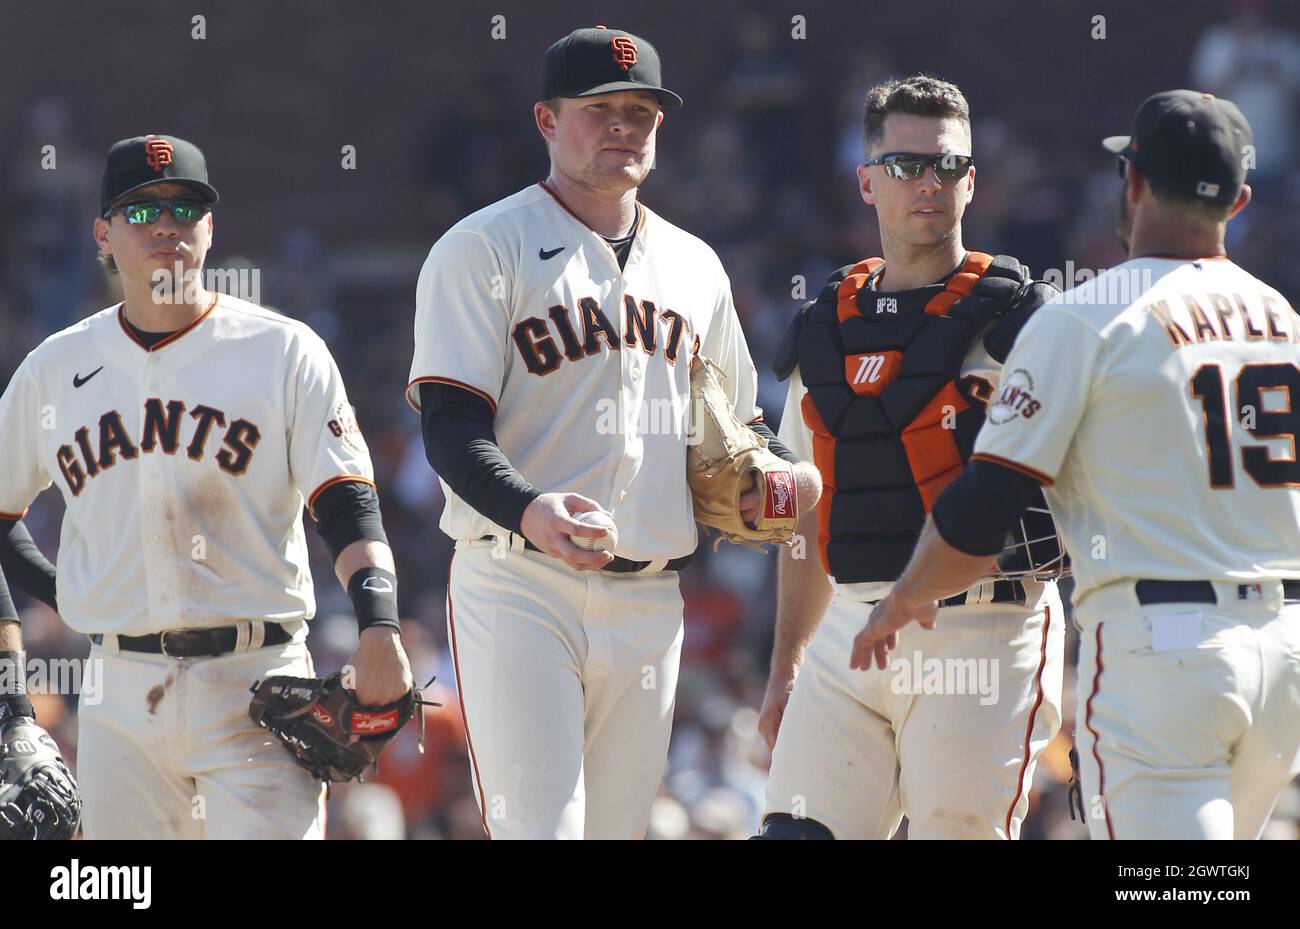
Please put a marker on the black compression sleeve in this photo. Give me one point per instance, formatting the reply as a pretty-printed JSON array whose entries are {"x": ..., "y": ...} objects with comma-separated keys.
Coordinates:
[
  {"x": 462, "y": 448},
  {"x": 347, "y": 512},
  {"x": 24, "y": 564},
  {"x": 7, "y": 608},
  {"x": 975, "y": 513},
  {"x": 774, "y": 444}
]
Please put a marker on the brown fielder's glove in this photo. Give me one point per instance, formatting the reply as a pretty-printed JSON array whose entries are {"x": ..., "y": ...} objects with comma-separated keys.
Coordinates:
[
  {"x": 317, "y": 720},
  {"x": 725, "y": 458}
]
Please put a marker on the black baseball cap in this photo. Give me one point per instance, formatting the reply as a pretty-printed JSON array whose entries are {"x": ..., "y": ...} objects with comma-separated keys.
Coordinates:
[
  {"x": 587, "y": 62},
  {"x": 1193, "y": 143},
  {"x": 147, "y": 159}
]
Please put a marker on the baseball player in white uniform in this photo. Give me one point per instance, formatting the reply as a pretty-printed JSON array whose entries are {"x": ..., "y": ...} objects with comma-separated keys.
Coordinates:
[
  {"x": 1157, "y": 405},
  {"x": 890, "y": 369},
  {"x": 554, "y": 333},
  {"x": 184, "y": 430}
]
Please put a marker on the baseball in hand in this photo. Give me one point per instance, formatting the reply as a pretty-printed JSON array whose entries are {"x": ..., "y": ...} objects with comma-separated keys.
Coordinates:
[{"x": 605, "y": 543}]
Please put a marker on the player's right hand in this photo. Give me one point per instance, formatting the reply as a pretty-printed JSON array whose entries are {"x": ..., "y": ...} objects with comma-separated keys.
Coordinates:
[
  {"x": 778, "y": 693},
  {"x": 548, "y": 522}
]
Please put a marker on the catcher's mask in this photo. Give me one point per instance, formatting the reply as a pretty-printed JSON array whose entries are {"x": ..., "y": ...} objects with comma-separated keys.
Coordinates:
[{"x": 1034, "y": 549}]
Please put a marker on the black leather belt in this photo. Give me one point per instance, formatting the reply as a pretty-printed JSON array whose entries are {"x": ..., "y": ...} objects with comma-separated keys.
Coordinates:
[
  {"x": 619, "y": 565},
  {"x": 194, "y": 643},
  {"x": 1003, "y": 592},
  {"x": 1149, "y": 592}
]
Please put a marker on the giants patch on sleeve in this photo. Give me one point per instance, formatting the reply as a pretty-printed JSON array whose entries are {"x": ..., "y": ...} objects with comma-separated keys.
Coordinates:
[
  {"x": 780, "y": 496},
  {"x": 344, "y": 426},
  {"x": 1015, "y": 398}
]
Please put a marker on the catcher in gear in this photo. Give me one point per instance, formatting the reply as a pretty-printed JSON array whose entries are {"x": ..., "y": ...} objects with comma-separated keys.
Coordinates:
[
  {"x": 890, "y": 371},
  {"x": 1188, "y": 680},
  {"x": 326, "y": 728}
]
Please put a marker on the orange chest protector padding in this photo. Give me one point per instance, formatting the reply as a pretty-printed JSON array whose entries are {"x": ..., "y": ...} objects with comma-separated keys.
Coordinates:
[{"x": 890, "y": 427}]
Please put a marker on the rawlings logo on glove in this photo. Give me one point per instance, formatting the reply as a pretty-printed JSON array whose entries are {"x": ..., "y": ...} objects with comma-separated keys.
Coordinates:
[
  {"x": 725, "y": 459},
  {"x": 325, "y": 728},
  {"x": 780, "y": 495}
]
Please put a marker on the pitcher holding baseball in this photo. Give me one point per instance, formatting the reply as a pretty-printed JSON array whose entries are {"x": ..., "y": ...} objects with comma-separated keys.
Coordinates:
[
  {"x": 531, "y": 315},
  {"x": 607, "y": 539}
]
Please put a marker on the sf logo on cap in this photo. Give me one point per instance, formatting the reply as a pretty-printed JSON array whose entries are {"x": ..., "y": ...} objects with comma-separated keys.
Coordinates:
[
  {"x": 624, "y": 51},
  {"x": 157, "y": 153}
]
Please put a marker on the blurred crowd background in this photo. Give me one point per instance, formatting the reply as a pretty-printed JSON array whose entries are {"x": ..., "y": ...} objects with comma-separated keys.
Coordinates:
[{"x": 759, "y": 163}]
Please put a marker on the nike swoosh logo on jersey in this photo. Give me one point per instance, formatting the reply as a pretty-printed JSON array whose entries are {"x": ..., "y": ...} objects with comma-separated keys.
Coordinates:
[
  {"x": 547, "y": 255},
  {"x": 78, "y": 380},
  {"x": 380, "y": 585}
]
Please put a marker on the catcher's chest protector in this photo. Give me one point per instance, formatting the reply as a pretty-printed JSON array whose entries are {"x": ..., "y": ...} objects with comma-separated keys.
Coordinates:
[{"x": 890, "y": 427}]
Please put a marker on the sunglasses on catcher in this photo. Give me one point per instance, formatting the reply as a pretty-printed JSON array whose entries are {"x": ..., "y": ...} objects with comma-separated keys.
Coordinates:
[
  {"x": 148, "y": 212},
  {"x": 907, "y": 166}
]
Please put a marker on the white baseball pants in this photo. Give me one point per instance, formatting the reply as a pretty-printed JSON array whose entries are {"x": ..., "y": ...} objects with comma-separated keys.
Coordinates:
[
  {"x": 948, "y": 735},
  {"x": 169, "y": 751},
  {"x": 1189, "y": 714},
  {"x": 566, "y": 681}
]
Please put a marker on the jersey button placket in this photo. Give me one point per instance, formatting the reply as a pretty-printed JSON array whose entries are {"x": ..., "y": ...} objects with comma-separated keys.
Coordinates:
[
  {"x": 151, "y": 474},
  {"x": 631, "y": 397},
  {"x": 152, "y": 487}
]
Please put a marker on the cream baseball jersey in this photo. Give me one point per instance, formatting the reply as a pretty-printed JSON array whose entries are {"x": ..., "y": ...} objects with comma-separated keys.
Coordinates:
[
  {"x": 183, "y": 468},
  {"x": 1160, "y": 403},
  {"x": 978, "y": 374},
  {"x": 586, "y": 366}
]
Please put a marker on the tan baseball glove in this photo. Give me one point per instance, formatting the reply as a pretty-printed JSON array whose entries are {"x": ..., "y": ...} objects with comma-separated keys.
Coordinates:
[{"x": 725, "y": 458}]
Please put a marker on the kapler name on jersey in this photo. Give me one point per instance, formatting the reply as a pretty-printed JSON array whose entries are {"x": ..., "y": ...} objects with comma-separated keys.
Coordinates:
[
  {"x": 103, "y": 882},
  {"x": 165, "y": 427}
]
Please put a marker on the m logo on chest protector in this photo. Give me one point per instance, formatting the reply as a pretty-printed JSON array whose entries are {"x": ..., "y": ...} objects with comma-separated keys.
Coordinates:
[
  {"x": 870, "y": 373},
  {"x": 93, "y": 451},
  {"x": 582, "y": 334}
]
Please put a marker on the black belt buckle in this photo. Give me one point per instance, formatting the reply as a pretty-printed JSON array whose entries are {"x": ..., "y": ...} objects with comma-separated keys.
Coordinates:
[
  {"x": 198, "y": 643},
  {"x": 162, "y": 646},
  {"x": 178, "y": 633}
]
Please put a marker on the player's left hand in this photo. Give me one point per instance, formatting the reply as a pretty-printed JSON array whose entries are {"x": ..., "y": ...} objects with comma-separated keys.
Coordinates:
[
  {"x": 880, "y": 635},
  {"x": 381, "y": 670}
]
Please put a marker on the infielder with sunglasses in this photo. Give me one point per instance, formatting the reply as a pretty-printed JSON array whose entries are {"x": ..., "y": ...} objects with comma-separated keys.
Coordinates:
[
  {"x": 1165, "y": 418},
  {"x": 890, "y": 373},
  {"x": 185, "y": 430}
]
